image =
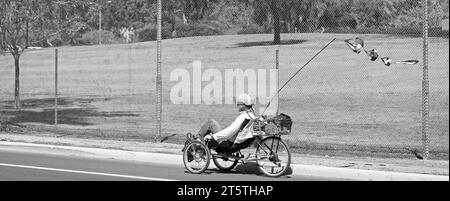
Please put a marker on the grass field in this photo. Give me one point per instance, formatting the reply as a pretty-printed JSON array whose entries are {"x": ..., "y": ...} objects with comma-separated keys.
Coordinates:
[{"x": 340, "y": 102}]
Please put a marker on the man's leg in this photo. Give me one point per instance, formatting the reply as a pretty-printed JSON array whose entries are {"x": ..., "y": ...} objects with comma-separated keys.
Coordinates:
[
  {"x": 222, "y": 147},
  {"x": 210, "y": 126}
]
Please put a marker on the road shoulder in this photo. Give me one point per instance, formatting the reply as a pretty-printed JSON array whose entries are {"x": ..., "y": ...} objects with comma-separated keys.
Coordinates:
[{"x": 308, "y": 164}]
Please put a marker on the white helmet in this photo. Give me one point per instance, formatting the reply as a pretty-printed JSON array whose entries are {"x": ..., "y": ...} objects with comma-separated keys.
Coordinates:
[{"x": 245, "y": 99}]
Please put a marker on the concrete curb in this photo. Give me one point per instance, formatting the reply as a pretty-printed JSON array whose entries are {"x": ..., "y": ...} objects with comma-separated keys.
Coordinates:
[{"x": 299, "y": 170}]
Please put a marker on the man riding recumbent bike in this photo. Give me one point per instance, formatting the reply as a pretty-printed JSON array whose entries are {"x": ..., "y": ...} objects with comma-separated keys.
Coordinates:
[{"x": 224, "y": 146}]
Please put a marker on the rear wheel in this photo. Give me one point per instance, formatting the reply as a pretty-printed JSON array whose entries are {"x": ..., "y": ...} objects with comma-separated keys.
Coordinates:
[
  {"x": 224, "y": 163},
  {"x": 196, "y": 157},
  {"x": 274, "y": 157}
]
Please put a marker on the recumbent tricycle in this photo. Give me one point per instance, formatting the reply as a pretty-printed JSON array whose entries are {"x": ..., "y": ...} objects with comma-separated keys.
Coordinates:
[{"x": 272, "y": 154}]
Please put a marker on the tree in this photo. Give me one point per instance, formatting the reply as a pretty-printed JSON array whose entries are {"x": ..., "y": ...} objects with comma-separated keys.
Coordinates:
[
  {"x": 24, "y": 22},
  {"x": 170, "y": 10},
  {"x": 288, "y": 15},
  {"x": 232, "y": 13},
  {"x": 16, "y": 18},
  {"x": 131, "y": 13},
  {"x": 267, "y": 13},
  {"x": 197, "y": 10},
  {"x": 189, "y": 10},
  {"x": 272, "y": 13},
  {"x": 70, "y": 18},
  {"x": 375, "y": 13},
  {"x": 275, "y": 9}
]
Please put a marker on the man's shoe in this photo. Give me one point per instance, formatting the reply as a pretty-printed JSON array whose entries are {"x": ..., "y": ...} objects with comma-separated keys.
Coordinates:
[{"x": 189, "y": 139}]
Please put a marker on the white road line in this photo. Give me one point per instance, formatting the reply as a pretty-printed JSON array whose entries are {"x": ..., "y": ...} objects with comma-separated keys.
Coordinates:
[{"x": 85, "y": 172}]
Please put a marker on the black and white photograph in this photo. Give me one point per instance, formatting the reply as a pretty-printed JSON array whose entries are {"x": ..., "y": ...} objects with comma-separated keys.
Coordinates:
[{"x": 224, "y": 99}]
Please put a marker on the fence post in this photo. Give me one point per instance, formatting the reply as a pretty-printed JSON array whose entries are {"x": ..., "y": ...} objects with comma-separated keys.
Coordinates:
[
  {"x": 56, "y": 87},
  {"x": 425, "y": 84},
  {"x": 277, "y": 67},
  {"x": 158, "y": 74}
]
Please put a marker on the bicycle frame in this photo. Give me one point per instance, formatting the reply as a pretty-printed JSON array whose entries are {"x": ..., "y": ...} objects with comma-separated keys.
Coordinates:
[{"x": 258, "y": 144}]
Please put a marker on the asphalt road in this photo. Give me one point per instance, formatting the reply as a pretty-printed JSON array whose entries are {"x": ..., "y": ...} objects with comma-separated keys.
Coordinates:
[{"x": 24, "y": 166}]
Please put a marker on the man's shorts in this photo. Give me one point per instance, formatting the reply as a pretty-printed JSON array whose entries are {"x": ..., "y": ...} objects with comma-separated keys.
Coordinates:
[
  {"x": 228, "y": 146},
  {"x": 222, "y": 147}
]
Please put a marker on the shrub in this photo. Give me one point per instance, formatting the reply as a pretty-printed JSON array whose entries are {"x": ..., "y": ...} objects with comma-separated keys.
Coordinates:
[
  {"x": 92, "y": 37},
  {"x": 252, "y": 29},
  {"x": 56, "y": 42},
  {"x": 149, "y": 33},
  {"x": 191, "y": 30}
]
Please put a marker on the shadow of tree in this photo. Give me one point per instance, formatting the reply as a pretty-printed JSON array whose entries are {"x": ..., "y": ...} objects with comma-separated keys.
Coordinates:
[
  {"x": 48, "y": 103},
  {"x": 268, "y": 43},
  {"x": 40, "y": 111}
]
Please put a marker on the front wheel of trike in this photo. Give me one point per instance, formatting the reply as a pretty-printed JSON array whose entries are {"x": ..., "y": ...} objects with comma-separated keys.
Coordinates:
[
  {"x": 274, "y": 157},
  {"x": 196, "y": 157}
]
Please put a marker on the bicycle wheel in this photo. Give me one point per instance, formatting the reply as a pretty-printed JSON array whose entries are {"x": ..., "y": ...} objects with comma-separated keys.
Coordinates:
[
  {"x": 224, "y": 163},
  {"x": 196, "y": 157},
  {"x": 274, "y": 157}
]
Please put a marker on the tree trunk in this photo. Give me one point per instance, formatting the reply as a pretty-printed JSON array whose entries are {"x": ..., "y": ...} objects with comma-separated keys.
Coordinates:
[
  {"x": 2, "y": 39},
  {"x": 16, "y": 86},
  {"x": 26, "y": 34},
  {"x": 276, "y": 25},
  {"x": 173, "y": 24}
]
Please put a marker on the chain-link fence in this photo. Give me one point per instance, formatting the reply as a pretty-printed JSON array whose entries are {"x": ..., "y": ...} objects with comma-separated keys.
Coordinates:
[
  {"x": 104, "y": 91},
  {"x": 345, "y": 102},
  {"x": 341, "y": 103}
]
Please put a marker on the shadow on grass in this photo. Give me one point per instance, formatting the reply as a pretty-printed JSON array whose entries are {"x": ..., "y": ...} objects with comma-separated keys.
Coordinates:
[
  {"x": 40, "y": 111},
  {"x": 268, "y": 43},
  {"x": 48, "y": 103}
]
